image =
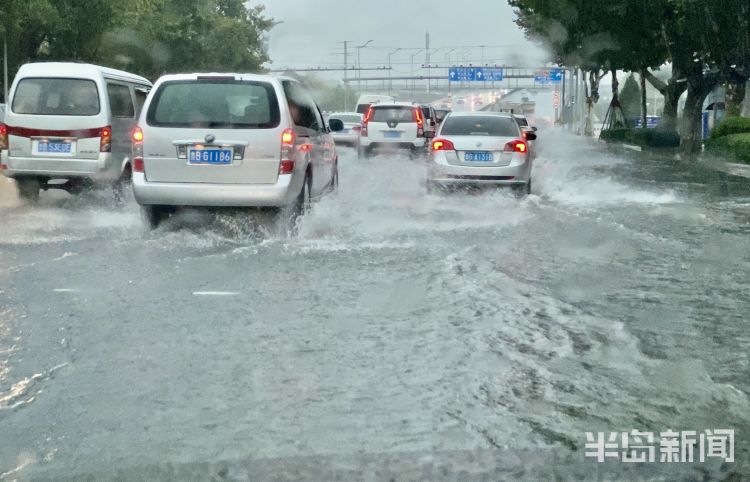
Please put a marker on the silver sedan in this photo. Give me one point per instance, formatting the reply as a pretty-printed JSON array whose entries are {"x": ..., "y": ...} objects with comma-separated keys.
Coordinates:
[
  {"x": 352, "y": 128},
  {"x": 480, "y": 149}
]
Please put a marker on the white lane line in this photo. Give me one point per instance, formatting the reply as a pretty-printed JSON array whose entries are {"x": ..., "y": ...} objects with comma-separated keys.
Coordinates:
[
  {"x": 64, "y": 290},
  {"x": 215, "y": 293}
]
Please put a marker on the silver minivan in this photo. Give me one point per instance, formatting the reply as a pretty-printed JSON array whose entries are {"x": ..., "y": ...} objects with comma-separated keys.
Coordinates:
[
  {"x": 231, "y": 140},
  {"x": 70, "y": 123}
]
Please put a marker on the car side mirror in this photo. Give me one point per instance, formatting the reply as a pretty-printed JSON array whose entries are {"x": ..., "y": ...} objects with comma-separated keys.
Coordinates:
[
  {"x": 529, "y": 136},
  {"x": 429, "y": 134},
  {"x": 336, "y": 125}
]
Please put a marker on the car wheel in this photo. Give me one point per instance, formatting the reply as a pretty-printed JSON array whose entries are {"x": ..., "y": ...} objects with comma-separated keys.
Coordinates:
[
  {"x": 153, "y": 216},
  {"x": 28, "y": 189}
]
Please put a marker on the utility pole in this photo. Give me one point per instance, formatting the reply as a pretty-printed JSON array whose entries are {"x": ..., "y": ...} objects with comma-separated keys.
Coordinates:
[
  {"x": 427, "y": 57},
  {"x": 346, "y": 74},
  {"x": 5, "y": 66},
  {"x": 390, "y": 81},
  {"x": 413, "y": 82},
  {"x": 359, "y": 65}
]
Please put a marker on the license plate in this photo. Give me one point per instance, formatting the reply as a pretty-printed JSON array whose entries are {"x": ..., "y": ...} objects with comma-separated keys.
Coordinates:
[
  {"x": 54, "y": 147},
  {"x": 392, "y": 134},
  {"x": 478, "y": 157},
  {"x": 210, "y": 156}
]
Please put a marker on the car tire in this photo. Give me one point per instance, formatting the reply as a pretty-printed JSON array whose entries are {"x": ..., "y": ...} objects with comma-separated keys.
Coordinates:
[
  {"x": 523, "y": 190},
  {"x": 28, "y": 188},
  {"x": 153, "y": 215}
]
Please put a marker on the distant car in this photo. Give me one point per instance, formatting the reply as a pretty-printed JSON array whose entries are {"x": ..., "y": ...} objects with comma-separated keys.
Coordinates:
[
  {"x": 365, "y": 101},
  {"x": 523, "y": 123},
  {"x": 485, "y": 149},
  {"x": 231, "y": 140},
  {"x": 479, "y": 102},
  {"x": 397, "y": 126},
  {"x": 441, "y": 113},
  {"x": 460, "y": 101},
  {"x": 349, "y": 135},
  {"x": 430, "y": 118}
]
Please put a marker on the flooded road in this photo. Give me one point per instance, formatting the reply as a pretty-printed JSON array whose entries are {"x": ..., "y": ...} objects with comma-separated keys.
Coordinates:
[{"x": 395, "y": 326}]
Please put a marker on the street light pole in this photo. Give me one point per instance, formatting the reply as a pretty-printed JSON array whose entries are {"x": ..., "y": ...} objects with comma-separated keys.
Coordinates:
[
  {"x": 390, "y": 82},
  {"x": 413, "y": 82},
  {"x": 359, "y": 64},
  {"x": 5, "y": 66}
]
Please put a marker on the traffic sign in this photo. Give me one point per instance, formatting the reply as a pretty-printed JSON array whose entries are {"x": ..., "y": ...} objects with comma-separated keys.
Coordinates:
[
  {"x": 553, "y": 76},
  {"x": 475, "y": 74}
]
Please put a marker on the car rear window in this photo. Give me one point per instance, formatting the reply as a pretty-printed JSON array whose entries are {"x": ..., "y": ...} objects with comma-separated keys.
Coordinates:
[
  {"x": 224, "y": 104},
  {"x": 362, "y": 108},
  {"x": 55, "y": 96},
  {"x": 395, "y": 113},
  {"x": 480, "y": 126},
  {"x": 347, "y": 118},
  {"x": 522, "y": 121}
]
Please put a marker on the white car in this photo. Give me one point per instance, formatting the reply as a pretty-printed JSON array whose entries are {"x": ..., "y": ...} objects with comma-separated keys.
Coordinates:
[
  {"x": 72, "y": 122},
  {"x": 480, "y": 149},
  {"x": 349, "y": 135},
  {"x": 399, "y": 126},
  {"x": 231, "y": 140}
]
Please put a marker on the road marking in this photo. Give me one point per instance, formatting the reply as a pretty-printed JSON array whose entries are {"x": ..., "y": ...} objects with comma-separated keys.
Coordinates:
[
  {"x": 215, "y": 293},
  {"x": 64, "y": 290}
]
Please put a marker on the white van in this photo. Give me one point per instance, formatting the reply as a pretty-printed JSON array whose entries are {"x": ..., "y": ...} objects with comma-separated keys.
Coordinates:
[
  {"x": 365, "y": 101},
  {"x": 70, "y": 122}
]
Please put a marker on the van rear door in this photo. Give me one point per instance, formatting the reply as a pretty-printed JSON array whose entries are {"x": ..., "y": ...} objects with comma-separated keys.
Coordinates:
[
  {"x": 56, "y": 119},
  {"x": 213, "y": 129}
]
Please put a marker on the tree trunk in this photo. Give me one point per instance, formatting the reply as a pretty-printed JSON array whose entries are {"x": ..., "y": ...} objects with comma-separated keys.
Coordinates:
[
  {"x": 672, "y": 96},
  {"x": 644, "y": 104},
  {"x": 746, "y": 103},
  {"x": 672, "y": 92},
  {"x": 734, "y": 98},
  {"x": 691, "y": 134}
]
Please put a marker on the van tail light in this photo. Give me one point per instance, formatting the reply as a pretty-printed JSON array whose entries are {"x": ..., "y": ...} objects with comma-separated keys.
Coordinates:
[
  {"x": 137, "y": 150},
  {"x": 105, "y": 144},
  {"x": 286, "y": 164},
  {"x": 419, "y": 119},
  {"x": 3, "y": 137},
  {"x": 443, "y": 145},
  {"x": 365, "y": 121},
  {"x": 516, "y": 146}
]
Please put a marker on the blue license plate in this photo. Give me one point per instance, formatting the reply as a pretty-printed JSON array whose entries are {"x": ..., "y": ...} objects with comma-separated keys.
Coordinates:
[
  {"x": 392, "y": 134},
  {"x": 478, "y": 157},
  {"x": 210, "y": 156},
  {"x": 55, "y": 147}
]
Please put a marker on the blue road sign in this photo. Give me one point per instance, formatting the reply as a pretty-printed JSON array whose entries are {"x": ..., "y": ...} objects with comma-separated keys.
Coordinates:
[
  {"x": 556, "y": 75},
  {"x": 474, "y": 74}
]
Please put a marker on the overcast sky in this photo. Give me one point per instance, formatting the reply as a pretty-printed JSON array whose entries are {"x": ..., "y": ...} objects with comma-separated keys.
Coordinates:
[{"x": 312, "y": 30}]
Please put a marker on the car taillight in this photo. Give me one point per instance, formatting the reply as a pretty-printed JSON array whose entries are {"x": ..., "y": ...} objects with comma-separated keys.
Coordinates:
[
  {"x": 286, "y": 165},
  {"x": 443, "y": 145},
  {"x": 367, "y": 118},
  {"x": 419, "y": 119},
  {"x": 137, "y": 135},
  {"x": 3, "y": 137},
  {"x": 138, "y": 165},
  {"x": 105, "y": 144},
  {"x": 516, "y": 146}
]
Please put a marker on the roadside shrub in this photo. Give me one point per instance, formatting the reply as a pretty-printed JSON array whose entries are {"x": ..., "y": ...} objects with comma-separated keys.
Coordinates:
[
  {"x": 731, "y": 125},
  {"x": 655, "y": 138},
  {"x": 734, "y": 146}
]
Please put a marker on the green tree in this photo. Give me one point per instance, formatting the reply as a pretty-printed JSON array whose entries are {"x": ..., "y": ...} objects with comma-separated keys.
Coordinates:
[{"x": 630, "y": 97}]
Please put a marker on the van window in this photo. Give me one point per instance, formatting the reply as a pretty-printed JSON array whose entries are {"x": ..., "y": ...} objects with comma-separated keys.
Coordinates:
[
  {"x": 55, "y": 96},
  {"x": 140, "y": 99},
  {"x": 304, "y": 111},
  {"x": 363, "y": 108},
  {"x": 480, "y": 126},
  {"x": 120, "y": 101},
  {"x": 227, "y": 104}
]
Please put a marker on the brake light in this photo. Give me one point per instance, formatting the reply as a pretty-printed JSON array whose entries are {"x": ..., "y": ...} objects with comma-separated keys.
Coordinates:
[
  {"x": 105, "y": 143},
  {"x": 138, "y": 165},
  {"x": 137, "y": 135},
  {"x": 3, "y": 137},
  {"x": 419, "y": 118},
  {"x": 367, "y": 118},
  {"x": 286, "y": 164},
  {"x": 516, "y": 146},
  {"x": 443, "y": 145}
]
